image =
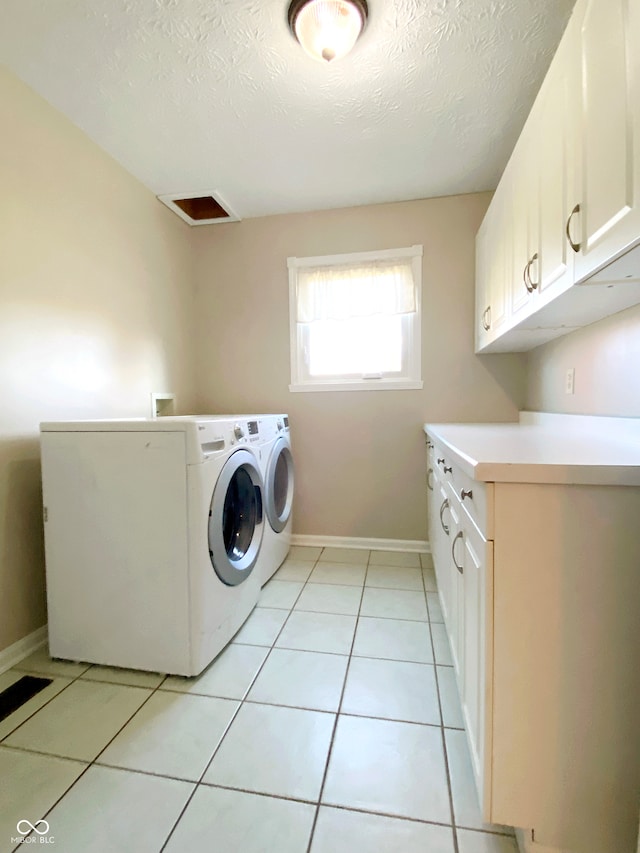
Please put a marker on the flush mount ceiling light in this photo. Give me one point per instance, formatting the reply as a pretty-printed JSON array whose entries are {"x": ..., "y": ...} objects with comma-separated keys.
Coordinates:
[{"x": 327, "y": 29}]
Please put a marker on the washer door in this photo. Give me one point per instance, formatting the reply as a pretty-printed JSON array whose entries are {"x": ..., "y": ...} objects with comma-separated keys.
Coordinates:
[
  {"x": 235, "y": 518},
  {"x": 279, "y": 485}
]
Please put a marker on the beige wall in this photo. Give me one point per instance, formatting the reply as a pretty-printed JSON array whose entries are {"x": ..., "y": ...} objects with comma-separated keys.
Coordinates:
[
  {"x": 359, "y": 455},
  {"x": 605, "y": 355},
  {"x": 96, "y": 312}
]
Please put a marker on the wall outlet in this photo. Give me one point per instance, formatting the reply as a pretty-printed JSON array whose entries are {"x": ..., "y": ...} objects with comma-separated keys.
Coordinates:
[{"x": 570, "y": 380}]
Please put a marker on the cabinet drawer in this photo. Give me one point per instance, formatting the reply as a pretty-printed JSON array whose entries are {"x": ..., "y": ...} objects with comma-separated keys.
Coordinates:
[{"x": 474, "y": 498}]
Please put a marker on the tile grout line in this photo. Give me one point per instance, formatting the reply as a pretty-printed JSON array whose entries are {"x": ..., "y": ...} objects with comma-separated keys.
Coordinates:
[
  {"x": 364, "y": 615},
  {"x": 389, "y": 815},
  {"x": 32, "y": 751},
  {"x": 92, "y": 762},
  {"x": 340, "y": 654},
  {"x": 233, "y": 718},
  {"x": 335, "y": 724},
  {"x": 353, "y": 808},
  {"x": 244, "y": 699},
  {"x": 44, "y": 705},
  {"x": 153, "y": 691},
  {"x": 442, "y": 733},
  {"x": 441, "y": 726}
]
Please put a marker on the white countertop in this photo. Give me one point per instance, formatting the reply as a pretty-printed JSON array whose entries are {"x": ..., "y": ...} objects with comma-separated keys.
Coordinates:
[{"x": 544, "y": 448}]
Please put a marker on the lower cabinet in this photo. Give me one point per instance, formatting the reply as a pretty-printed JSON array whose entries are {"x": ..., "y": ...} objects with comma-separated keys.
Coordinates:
[
  {"x": 540, "y": 589},
  {"x": 439, "y": 533},
  {"x": 476, "y": 591},
  {"x": 463, "y": 561},
  {"x": 455, "y": 624}
]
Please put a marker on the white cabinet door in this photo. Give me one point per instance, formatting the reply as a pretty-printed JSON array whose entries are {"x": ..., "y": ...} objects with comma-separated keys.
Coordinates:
[
  {"x": 493, "y": 259},
  {"x": 475, "y": 555},
  {"x": 432, "y": 515},
  {"x": 518, "y": 180},
  {"x": 544, "y": 182},
  {"x": 523, "y": 181},
  {"x": 484, "y": 250},
  {"x": 456, "y": 625},
  {"x": 555, "y": 164},
  {"x": 499, "y": 264},
  {"x": 442, "y": 524},
  {"x": 608, "y": 129}
]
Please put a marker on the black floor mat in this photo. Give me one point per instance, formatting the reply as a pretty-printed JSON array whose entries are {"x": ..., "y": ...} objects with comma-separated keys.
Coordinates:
[{"x": 20, "y": 692}]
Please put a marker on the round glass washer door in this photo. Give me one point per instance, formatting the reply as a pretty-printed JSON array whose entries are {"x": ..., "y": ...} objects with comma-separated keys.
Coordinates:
[
  {"x": 279, "y": 485},
  {"x": 236, "y": 521}
]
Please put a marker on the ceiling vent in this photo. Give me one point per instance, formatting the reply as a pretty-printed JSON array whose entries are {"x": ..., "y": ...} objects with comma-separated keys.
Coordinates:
[{"x": 203, "y": 208}]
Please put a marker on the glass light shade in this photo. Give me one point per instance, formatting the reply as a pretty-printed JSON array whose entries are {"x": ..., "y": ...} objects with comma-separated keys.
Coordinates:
[{"x": 328, "y": 29}]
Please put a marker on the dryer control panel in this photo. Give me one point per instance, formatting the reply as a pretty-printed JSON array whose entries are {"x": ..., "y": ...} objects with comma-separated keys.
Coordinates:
[{"x": 215, "y": 435}]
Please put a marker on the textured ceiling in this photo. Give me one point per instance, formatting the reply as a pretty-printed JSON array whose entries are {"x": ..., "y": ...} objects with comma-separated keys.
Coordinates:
[{"x": 194, "y": 95}]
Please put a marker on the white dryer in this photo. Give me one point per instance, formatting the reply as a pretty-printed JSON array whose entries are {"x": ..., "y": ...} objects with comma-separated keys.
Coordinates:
[
  {"x": 153, "y": 530},
  {"x": 270, "y": 437},
  {"x": 277, "y": 461}
]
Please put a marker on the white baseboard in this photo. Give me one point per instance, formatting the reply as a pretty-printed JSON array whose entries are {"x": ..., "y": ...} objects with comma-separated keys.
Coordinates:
[
  {"x": 414, "y": 545},
  {"x": 526, "y": 845},
  {"x": 23, "y": 648}
]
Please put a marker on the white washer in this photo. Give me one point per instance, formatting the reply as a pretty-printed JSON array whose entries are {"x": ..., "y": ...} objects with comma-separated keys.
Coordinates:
[
  {"x": 152, "y": 534},
  {"x": 278, "y": 493},
  {"x": 270, "y": 437}
]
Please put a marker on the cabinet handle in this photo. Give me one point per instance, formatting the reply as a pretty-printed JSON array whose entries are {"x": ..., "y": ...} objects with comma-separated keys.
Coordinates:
[
  {"x": 574, "y": 246},
  {"x": 526, "y": 279},
  {"x": 440, "y": 461},
  {"x": 429, "y": 484},
  {"x": 458, "y": 535},
  {"x": 534, "y": 284},
  {"x": 445, "y": 505},
  {"x": 486, "y": 323},
  {"x": 448, "y": 469},
  {"x": 429, "y": 443},
  {"x": 464, "y": 494}
]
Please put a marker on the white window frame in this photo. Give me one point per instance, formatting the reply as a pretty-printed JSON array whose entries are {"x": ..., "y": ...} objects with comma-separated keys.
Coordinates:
[{"x": 412, "y": 332}]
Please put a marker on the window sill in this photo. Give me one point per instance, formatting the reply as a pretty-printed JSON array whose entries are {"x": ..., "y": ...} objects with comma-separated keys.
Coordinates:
[{"x": 361, "y": 385}]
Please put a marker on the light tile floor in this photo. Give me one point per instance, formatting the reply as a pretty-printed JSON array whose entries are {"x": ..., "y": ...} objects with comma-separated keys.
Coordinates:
[{"x": 331, "y": 724}]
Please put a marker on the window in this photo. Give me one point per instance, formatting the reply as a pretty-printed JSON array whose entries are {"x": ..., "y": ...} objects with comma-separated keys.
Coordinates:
[{"x": 355, "y": 321}]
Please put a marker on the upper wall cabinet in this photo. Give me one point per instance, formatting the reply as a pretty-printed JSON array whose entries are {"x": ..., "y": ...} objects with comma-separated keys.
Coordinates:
[
  {"x": 608, "y": 133},
  {"x": 493, "y": 262},
  {"x": 569, "y": 200}
]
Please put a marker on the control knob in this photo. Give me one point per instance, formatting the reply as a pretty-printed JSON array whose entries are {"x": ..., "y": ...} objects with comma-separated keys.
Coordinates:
[{"x": 238, "y": 431}]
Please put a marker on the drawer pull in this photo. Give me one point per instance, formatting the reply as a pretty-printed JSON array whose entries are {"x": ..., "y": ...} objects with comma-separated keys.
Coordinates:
[
  {"x": 526, "y": 278},
  {"x": 458, "y": 535},
  {"x": 464, "y": 494},
  {"x": 429, "y": 482},
  {"x": 575, "y": 246},
  {"x": 445, "y": 505},
  {"x": 448, "y": 469},
  {"x": 534, "y": 284},
  {"x": 429, "y": 444},
  {"x": 440, "y": 461}
]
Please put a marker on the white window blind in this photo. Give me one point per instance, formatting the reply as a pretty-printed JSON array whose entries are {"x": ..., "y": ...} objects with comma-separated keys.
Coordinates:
[
  {"x": 355, "y": 320},
  {"x": 364, "y": 290}
]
